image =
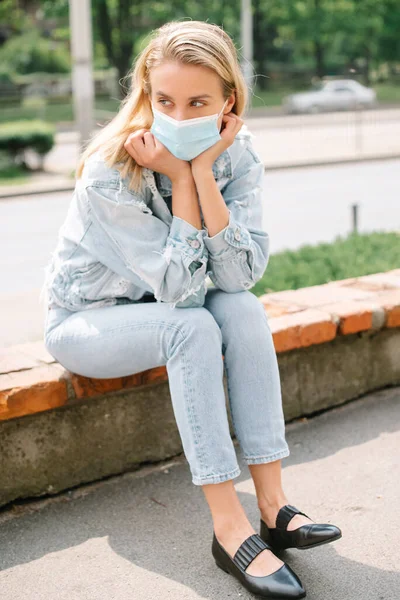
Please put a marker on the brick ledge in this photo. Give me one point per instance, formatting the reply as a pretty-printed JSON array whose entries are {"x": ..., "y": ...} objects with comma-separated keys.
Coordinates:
[{"x": 32, "y": 381}]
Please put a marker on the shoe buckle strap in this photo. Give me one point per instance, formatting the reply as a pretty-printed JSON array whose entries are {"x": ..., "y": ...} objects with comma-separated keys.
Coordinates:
[
  {"x": 248, "y": 550},
  {"x": 285, "y": 514}
]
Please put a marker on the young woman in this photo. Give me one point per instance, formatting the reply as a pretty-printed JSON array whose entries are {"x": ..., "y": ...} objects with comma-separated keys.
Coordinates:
[{"x": 168, "y": 195}]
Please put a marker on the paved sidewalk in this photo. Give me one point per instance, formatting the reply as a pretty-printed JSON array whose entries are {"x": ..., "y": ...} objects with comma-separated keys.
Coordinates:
[
  {"x": 146, "y": 535},
  {"x": 45, "y": 183},
  {"x": 282, "y": 142}
]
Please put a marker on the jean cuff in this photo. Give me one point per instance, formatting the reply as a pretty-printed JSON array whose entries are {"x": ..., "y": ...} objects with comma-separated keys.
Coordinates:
[
  {"x": 216, "y": 478},
  {"x": 188, "y": 237},
  {"x": 233, "y": 235},
  {"x": 258, "y": 460}
]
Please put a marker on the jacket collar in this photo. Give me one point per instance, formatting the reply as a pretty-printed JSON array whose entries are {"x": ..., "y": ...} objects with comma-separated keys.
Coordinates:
[{"x": 222, "y": 169}]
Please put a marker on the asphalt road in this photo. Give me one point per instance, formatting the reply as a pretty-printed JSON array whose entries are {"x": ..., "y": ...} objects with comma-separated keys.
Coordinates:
[
  {"x": 146, "y": 535},
  {"x": 301, "y": 206}
]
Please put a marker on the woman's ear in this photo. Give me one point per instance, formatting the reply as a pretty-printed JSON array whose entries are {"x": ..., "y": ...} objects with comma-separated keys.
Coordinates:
[{"x": 230, "y": 104}]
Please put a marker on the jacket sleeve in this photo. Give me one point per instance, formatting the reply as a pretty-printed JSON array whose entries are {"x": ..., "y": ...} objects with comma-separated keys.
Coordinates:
[
  {"x": 172, "y": 261},
  {"x": 239, "y": 253}
]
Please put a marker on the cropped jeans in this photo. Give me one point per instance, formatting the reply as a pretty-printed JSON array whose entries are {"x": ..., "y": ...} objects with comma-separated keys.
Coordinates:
[{"x": 129, "y": 338}]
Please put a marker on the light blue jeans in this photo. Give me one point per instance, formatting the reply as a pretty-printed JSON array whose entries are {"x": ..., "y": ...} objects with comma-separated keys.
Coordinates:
[{"x": 130, "y": 338}]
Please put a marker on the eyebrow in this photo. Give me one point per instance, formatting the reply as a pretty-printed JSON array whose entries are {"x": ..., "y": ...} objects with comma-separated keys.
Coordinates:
[{"x": 160, "y": 93}]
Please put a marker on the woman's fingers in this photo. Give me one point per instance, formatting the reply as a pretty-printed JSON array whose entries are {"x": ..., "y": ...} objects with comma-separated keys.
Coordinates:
[
  {"x": 133, "y": 143},
  {"x": 129, "y": 143},
  {"x": 233, "y": 124},
  {"x": 131, "y": 150},
  {"x": 233, "y": 121},
  {"x": 136, "y": 137},
  {"x": 238, "y": 123},
  {"x": 149, "y": 140},
  {"x": 138, "y": 144}
]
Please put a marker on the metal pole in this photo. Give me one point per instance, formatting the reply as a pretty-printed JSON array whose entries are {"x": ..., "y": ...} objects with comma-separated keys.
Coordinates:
[
  {"x": 82, "y": 73},
  {"x": 358, "y": 113},
  {"x": 354, "y": 208},
  {"x": 247, "y": 40}
]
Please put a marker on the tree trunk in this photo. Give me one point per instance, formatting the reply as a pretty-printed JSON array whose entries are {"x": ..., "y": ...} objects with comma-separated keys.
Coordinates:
[
  {"x": 119, "y": 51},
  {"x": 319, "y": 53},
  {"x": 367, "y": 67},
  {"x": 126, "y": 36},
  {"x": 105, "y": 29},
  {"x": 319, "y": 50},
  {"x": 261, "y": 35}
]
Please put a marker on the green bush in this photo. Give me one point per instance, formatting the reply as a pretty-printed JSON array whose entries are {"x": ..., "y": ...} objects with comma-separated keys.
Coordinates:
[
  {"x": 352, "y": 256},
  {"x": 18, "y": 136},
  {"x": 29, "y": 52}
]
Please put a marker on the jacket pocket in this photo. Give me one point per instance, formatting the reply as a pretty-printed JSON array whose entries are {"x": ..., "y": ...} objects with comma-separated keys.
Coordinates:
[
  {"x": 92, "y": 279},
  {"x": 82, "y": 287}
]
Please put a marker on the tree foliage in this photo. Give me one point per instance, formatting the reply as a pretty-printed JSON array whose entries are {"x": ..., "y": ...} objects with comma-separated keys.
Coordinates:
[{"x": 324, "y": 36}]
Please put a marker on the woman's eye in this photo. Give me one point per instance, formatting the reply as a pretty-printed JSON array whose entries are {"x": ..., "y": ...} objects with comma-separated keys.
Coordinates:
[{"x": 162, "y": 102}]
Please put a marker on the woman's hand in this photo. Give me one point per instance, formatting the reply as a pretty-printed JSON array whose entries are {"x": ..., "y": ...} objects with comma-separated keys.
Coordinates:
[
  {"x": 149, "y": 152},
  {"x": 206, "y": 159}
]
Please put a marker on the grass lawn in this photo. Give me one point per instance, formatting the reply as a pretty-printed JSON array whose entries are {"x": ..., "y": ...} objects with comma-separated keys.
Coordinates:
[
  {"x": 388, "y": 93},
  {"x": 268, "y": 98},
  {"x": 13, "y": 175},
  {"x": 54, "y": 112},
  {"x": 351, "y": 256}
]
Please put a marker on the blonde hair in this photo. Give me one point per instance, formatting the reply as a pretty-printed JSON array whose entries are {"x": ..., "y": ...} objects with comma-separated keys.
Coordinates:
[{"x": 190, "y": 42}]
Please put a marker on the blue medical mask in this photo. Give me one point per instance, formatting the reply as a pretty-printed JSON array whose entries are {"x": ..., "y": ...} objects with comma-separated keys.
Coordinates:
[{"x": 188, "y": 138}]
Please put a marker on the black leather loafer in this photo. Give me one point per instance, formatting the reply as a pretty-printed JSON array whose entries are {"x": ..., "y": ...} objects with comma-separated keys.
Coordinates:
[
  {"x": 283, "y": 584},
  {"x": 305, "y": 536}
]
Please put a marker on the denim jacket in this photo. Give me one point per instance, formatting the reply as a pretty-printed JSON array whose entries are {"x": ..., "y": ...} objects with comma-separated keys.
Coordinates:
[{"x": 117, "y": 245}]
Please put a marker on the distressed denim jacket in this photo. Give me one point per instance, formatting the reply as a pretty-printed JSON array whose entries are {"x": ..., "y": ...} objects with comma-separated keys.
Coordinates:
[{"x": 117, "y": 245}]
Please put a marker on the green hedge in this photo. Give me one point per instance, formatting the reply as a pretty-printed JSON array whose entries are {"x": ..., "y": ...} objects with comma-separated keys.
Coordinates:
[
  {"x": 30, "y": 52},
  {"x": 353, "y": 256},
  {"x": 18, "y": 136}
]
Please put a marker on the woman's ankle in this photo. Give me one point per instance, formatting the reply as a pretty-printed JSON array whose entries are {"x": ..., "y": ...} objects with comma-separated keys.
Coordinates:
[
  {"x": 232, "y": 527},
  {"x": 270, "y": 504}
]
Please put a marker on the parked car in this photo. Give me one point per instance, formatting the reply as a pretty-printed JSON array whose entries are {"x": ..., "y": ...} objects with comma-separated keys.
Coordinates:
[{"x": 338, "y": 94}]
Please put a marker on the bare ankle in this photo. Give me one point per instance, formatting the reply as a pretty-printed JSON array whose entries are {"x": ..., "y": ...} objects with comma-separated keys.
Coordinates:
[
  {"x": 271, "y": 504},
  {"x": 232, "y": 527}
]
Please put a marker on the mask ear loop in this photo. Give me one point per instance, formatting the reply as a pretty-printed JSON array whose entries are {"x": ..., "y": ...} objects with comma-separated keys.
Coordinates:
[{"x": 222, "y": 109}]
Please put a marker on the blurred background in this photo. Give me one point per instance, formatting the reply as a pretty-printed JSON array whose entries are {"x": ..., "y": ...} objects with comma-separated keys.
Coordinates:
[{"x": 324, "y": 80}]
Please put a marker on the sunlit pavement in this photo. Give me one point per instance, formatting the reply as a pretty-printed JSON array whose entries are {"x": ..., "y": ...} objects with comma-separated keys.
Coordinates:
[{"x": 147, "y": 535}]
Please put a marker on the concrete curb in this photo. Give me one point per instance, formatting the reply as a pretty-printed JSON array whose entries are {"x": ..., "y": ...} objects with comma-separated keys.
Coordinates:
[
  {"x": 331, "y": 163},
  {"x": 66, "y": 186},
  {"x": 334, "y": 342},
  {"x": 63, "y": 185}
]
